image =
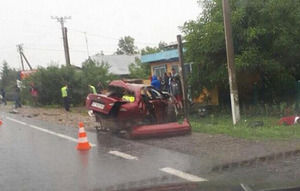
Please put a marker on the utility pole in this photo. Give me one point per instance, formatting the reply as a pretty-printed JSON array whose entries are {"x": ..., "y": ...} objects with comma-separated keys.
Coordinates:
[
  {"x": 234, "y": 96},
  {"x": 87, "y": 47},
  {"x": 20, "y": 49},
  {"x": 67, "y": 47},
  {"x": 182, "y": 73},
  {"x": 22, "y": 55},
  {"x": 62, "y": 20}
]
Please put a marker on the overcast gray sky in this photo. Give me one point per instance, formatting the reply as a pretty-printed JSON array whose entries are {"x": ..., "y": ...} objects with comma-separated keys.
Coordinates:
[{"x": 28, "y": 22}]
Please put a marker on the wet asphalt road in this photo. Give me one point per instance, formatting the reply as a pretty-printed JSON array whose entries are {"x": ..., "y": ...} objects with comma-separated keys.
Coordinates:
[
  {"x": 37, "y": 155},
  {"x": 32, "y": 159}
]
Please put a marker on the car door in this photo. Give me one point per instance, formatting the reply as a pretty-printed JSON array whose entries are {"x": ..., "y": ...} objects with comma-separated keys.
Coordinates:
[{"x": 159, "y": 104}]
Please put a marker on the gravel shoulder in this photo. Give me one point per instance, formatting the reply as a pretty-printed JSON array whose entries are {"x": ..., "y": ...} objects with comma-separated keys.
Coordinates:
[
  {"x": 219, "y": 148},
  {"x": 222, "y": 149},
  {"x": 56, "y": 115}
]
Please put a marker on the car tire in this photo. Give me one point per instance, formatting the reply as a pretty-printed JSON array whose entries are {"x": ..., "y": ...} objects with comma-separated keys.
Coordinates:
[{"x": 127, "y": 135}]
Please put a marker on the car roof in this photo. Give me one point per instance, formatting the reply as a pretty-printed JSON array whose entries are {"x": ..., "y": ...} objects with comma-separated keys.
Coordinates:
[{"x": 129, "y": 86}]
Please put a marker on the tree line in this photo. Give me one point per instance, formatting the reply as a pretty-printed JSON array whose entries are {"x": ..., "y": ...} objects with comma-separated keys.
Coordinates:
[
  {"x": 49, "y": 81},
  {"x": 266, "y": 38}
]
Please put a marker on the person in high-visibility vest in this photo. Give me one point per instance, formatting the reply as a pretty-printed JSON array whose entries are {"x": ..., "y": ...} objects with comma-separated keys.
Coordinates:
[
  {"x": 66, "y": 97},
  {"x": 92, "y": 89},
  {"x": 128, "y": 96}
]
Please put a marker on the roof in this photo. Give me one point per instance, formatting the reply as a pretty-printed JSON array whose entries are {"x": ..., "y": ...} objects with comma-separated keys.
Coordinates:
[
  {"x": 118, "y": 63},
  {"x": 174, "y": 44}
]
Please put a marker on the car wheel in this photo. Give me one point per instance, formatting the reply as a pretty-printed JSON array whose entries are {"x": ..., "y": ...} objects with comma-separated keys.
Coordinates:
[{"x": 127, "y": 135}]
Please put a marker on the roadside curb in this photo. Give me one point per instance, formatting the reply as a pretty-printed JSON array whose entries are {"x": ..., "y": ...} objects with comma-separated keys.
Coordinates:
[{"x": 256, "y": 161}]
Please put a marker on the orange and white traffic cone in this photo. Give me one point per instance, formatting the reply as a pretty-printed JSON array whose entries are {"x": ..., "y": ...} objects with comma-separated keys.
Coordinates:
[
  {"x": 0, "y": 121},
  {"x": 83, "y": 143}
]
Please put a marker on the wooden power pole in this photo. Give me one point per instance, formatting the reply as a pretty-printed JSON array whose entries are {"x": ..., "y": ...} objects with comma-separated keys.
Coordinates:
[
  {"x": 22, "y": 55},
  {"x": 182, "y": 73},
  {"x": 62, "y": 20},
  {"x": 234, "y": 96},
  {"x": 20, "y": 49},
  {"x": 67, "y": 47}
]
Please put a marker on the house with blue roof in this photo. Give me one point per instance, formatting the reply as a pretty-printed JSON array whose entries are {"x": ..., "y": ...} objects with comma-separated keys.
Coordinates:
[{"x": 163, "y": 62}]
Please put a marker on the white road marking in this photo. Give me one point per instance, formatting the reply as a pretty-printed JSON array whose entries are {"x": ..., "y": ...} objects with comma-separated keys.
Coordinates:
[
  {"x": 123, "y": 155},
  {"x": 48, "y": 131},
  {"x": 16, "y": 121},
  {"x": 183, "y": 175}
]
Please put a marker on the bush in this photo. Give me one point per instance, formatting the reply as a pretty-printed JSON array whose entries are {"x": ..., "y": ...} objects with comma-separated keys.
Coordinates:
[{"x": 50, "y": 80}]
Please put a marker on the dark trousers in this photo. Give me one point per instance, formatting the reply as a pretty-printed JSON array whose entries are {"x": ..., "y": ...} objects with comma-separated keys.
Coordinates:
[
  {"x": 4, "y": 100},
  {"x": 18, "y": 102},
  {"x": 67, "y": 103}
]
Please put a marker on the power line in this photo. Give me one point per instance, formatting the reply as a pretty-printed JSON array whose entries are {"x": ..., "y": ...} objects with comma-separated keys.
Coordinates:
[
  {"x": 108, "y": 37},
  {"x": 42, "y": 49},
  {"x": 7, "y": 47},
  {"x": 91, "y": 34},
  {"x": 57, "y": 50}
]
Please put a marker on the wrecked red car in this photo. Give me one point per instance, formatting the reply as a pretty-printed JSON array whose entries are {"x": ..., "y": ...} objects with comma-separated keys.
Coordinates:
[{"x": 136, "y": 110}]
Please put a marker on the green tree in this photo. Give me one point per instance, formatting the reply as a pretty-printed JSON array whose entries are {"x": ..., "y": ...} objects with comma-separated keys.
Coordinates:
[
  {"x": 8, "y": 75},
  {"x": 94, "y": 72},
  {"x": 8, "y": 79},
  {"x": 142, "y": 71},
  {"x": 152, "y": 50},
  {"x": 4, "y": 74},
  {"x": 266, "y": 44},
  {"x": 139, "y": 70},
  {"x": 126, "y": 46}
]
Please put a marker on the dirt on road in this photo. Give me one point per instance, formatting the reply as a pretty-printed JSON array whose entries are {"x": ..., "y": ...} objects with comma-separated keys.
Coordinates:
[{"x": 55, "y": 115}]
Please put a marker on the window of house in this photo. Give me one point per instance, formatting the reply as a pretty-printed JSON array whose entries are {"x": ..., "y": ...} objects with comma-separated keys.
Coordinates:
[
  {"x": 159, "y": 70},
  {"x": 176, "y": 68}
]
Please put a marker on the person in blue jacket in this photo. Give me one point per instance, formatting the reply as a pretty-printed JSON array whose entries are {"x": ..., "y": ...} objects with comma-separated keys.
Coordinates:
[{"x": 155, "y": 82}]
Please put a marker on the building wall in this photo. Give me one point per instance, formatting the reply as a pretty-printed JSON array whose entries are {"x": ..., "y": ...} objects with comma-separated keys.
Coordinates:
[
  {"x": 208, "y": 97},
  {"x": 168, "y": 66}
]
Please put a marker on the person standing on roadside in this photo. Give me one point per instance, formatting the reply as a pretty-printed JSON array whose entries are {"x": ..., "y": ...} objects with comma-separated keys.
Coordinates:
[
  {"x": 175, "y": 90},
  {"x": 34, "y": 94},
  {"x": 92, "y": 89},
  {"x": 155, "y": 82},
  {"x": 3, "y": 96},
  {"x": 174, "y": 74},
  {"x": 161, "y": 82},
  {"x": 66, "y": 97},
  {"x": 169, "y": 75},
  {"x": 100, "y": 87},
  {"x": 17, "y": 97},
  {"x": 166, "y": 83}
]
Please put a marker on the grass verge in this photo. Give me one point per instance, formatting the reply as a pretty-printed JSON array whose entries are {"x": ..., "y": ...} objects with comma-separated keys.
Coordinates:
[{"x": 223, "y": 125}]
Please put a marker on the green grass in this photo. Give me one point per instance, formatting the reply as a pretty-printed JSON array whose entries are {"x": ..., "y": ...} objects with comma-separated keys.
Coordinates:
[
  {"x": 223, "y": 125},
  {"x": 53, "y": 106}
]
